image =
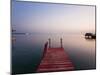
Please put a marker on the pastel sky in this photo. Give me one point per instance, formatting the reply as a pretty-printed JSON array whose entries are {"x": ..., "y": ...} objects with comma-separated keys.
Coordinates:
[{"x": 52, "y": 18}]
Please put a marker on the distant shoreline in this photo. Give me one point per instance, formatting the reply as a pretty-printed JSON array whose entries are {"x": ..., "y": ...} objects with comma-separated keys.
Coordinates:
[{"x": 19, "y": 33}]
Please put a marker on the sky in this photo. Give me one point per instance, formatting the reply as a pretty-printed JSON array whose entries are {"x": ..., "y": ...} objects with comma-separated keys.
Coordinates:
[{"x": 52, "y": 18}]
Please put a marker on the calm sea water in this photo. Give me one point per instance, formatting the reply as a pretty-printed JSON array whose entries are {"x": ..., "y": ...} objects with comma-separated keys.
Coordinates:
[{"x": 27, "y": 51}]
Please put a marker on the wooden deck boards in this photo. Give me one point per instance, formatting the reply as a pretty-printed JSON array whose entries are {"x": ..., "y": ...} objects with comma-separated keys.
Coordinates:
[{"x": 55, "y": 59}]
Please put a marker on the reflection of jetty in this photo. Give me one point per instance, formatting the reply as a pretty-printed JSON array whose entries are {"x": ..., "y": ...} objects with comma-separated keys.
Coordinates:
[
  {"x": 90, "y": 36},
  {"x": 55, "y": 59}
]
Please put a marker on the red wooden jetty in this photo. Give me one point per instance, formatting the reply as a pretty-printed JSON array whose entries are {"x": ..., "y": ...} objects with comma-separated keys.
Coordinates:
[{"x": 55, "y": 59}]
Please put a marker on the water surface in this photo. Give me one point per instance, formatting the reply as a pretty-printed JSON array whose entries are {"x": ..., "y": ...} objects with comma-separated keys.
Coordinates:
[{"x": 27, "y": 51}]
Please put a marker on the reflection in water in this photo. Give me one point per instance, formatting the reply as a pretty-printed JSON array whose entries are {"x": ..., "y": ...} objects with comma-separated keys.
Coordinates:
[
  {"x": 28, "y": 49},
  {"x": 13, "y": 39}
]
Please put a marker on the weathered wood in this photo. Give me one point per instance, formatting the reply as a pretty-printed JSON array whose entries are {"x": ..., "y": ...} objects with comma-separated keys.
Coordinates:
[{"x": 55, "y": 59}]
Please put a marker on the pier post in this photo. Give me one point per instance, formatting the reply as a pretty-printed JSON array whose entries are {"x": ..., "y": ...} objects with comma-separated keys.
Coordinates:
[
  {"x": 61, "y": 42},
  {"x": 45, "y": 48},
  {"x": 49, "y": 43}
]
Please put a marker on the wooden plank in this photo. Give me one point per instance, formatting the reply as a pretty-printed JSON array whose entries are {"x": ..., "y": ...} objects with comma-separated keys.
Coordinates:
[{"x": 55, "y": 59}]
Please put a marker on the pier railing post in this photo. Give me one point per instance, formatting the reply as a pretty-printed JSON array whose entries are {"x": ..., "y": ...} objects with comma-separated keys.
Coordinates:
[
  {"x": 45, "y": 48},
  {"x": 49, "y": 43},
  {"x": 61, "y": 42}
]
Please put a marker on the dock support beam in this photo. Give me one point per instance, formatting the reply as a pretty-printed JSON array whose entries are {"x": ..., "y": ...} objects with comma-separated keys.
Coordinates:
[
  {"x": 49, "y": 43},
  {"x": 61, "y": 42}
]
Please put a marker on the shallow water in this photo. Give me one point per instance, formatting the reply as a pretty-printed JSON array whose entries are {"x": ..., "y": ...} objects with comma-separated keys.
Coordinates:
[{"x": 27, "y": 51}]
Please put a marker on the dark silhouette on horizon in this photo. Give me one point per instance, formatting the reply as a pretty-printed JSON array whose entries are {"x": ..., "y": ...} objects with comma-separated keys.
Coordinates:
[{"x": 90, "y": 36}]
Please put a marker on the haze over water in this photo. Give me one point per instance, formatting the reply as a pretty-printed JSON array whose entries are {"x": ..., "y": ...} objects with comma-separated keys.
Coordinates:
[
  {"x": 27, "y": 51},
  {"x": 42, "y": 21}
]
